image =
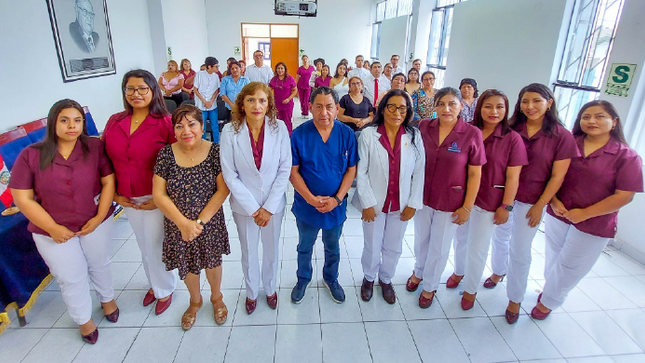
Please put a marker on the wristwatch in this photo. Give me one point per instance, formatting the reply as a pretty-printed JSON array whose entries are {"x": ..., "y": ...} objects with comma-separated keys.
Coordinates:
[
  {"x": 507, "y": 207},
  {"x": 199, "y": 221},
  {"x": 338, "y": 200}
]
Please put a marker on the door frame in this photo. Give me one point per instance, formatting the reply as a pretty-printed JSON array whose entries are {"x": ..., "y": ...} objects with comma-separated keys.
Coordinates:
[{"x": 270, "y": 35}]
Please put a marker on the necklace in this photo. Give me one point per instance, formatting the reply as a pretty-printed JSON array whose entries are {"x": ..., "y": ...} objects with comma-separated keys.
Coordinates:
[{"x": 199, "y": 148}]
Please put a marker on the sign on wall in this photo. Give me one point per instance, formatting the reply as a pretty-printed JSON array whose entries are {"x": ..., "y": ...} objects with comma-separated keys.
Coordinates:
[
  {"x": 81, "y": 32},
  {"x": 620, "y": 79}
]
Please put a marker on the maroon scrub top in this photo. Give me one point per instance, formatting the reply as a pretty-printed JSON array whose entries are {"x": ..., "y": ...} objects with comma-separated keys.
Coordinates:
[
  {"x": 282, "y": 90},
  {"x": 392, "y": 203},
  {"x": 68, "y": 189},
  {"x": 542, "y": 150},
  {"x": 502, "y": 151},
  {"x": 447, "y": 164},
  {"x": 134, "y": 156},
  {"x": 597, "y": 176},
  {"x": 257, "y": 147}
]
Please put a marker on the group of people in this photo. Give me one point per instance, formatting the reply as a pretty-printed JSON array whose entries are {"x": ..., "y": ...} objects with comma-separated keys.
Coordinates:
[{"x": 488, "y": 178}]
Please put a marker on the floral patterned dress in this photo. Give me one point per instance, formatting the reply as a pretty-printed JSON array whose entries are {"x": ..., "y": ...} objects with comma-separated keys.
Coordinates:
[
  {"x": 191, "y": 189},
  {"x": 423, "y": 105}
]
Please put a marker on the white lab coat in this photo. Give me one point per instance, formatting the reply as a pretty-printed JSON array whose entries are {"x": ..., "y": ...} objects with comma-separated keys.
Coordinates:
[{"x": 373, "y": 171}]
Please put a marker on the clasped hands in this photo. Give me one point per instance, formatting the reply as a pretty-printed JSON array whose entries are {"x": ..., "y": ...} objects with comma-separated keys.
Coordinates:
[
  {"x": 323, "y": 204},
  {"x": 190, "y": 229},
  {"x": 574, "y": 216}
]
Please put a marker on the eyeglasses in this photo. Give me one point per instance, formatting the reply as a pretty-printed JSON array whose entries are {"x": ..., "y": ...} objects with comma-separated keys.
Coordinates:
[
  {"x": 86, "y": 12},
  {"x": 392, "y": 108},
  {"x": 355, "y": 84},
  {"x": 142, "y": 91},
  {"x": 259, "y": 55},
  {"x": 428, "y": 79}
]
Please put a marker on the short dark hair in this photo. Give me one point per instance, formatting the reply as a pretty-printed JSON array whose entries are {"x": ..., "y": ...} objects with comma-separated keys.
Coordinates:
[
  {"x": 323, "y": 90},
  {"x": 187, "y": 110},
  {"x": 419, "y": 60},
  {"x": 395, "y": 55},
  {"x": 478, "y": 120},
  {"x": 373, "y": 63},
  {"x": 400, "y": 74},
  {"x": 471, "y": 82},
  {"x": 359, "y": 56},
  {"x": 210, "y": 61},
  {"x": 551, "y": 118},
  {"x": 317, "y": 60},
  {"x": 616, "y": 132},
  {"x": 230, "y": 65}
]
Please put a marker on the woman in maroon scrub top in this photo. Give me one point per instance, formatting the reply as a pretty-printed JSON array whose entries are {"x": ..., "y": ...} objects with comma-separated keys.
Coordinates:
[
  {"x": 454, "y": 158},
  {"x": 582, "y": 217},
  {"x": 303, "y": 74},
  {"x": 64, "y": 185},
  {"x": 549, "y": 147},
  {"x": 133, "y": 139},
  {"x": 284, "y": 90}
]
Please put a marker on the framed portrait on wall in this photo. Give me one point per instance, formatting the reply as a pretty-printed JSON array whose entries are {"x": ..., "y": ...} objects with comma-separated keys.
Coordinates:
[{"x": 81, "y": 30}]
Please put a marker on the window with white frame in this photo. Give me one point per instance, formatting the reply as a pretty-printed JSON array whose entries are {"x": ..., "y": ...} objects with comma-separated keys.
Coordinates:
[
  {"x": 387, "y": 9},
  {"x": 586, "y": 55},
  {"x": 440, "y": 26},
  {"x": 380, "y": 11},
  {"x": 390, "y": 9},
  {"x": 376, "y": 41},
  {"x": 405, "y": 8}
]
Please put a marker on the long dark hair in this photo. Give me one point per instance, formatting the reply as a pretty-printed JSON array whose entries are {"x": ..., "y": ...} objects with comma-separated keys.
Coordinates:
[
  {"x": 616, "y": 132},
  {"x": 478, "y": 120},
  {"x": 157, "y": 107},
  {"x": 379, "y": 118},
  {"x": 338, "y": 66},
  {"x": 550, "y": 117},
  {"x": 49, "y": 146}
]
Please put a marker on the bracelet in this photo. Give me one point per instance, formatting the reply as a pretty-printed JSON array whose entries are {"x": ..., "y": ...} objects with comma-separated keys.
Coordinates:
[
  {"x": 338, "y": 200},
  {"x": 542, "y": 200},
  {"x": 467, "y": 210}
]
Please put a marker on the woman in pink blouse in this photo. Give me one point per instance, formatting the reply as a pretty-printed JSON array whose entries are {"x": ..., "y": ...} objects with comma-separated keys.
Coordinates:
[
  {"x": 133, "y": 139},
  {"x": 171, "y": 83},
  {"x": 324, "y": 78}
]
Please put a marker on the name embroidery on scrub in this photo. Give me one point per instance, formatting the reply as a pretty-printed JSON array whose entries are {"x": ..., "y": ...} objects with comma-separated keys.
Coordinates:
[{"x": 454, "y": 148}]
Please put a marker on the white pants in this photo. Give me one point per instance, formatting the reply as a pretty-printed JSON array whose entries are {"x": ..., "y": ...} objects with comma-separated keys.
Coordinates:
[
  {"x": 250, "y": 234},
  {"x": 460, "y": 246},
  {"x": 519, "y": 253},
  {"x": 72, "y": 261},
  {"x": 480, "y": 229},
  {"x": 570, "y": 255},
  {"x": 382, "y": 245},
  {"x": 148, "y": 229},
  {"x": 500, "y": 240},
  {"x": 433, "y": 232}
]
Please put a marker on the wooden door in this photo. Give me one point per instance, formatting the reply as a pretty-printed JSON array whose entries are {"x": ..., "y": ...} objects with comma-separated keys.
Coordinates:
[{"x": 285, "y": 50}]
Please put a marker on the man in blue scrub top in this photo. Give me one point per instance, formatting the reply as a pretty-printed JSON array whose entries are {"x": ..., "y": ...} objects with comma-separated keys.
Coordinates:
[{"x": 324, "y": 166}]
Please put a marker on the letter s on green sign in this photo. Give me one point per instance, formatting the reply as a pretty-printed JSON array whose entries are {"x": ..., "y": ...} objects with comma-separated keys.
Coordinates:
[{"x": 621, "y": 76}]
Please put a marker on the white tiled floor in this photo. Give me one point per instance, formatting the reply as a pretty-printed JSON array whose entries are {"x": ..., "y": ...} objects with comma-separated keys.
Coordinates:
[{"x": 602, "y": 321}]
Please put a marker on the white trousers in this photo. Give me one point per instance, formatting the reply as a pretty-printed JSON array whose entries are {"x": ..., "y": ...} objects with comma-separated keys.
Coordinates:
[
  {"x": 148, "y": 229},
  {"x": 519, "y": 253},
  {"x": 460, "y": 246},
  {"x": 250, "y": 234},
  {"x": 383, "y": 241},
  {"x": 71, "y": 263},
  {"x": 480, "y": 229},
  {"x": 500, "y": 240},
  {"x": 570, "y": 255},
  {"x": 433, "y": 232}
]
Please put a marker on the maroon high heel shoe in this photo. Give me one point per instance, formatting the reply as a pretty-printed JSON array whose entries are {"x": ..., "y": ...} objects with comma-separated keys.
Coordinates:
[{"x": 92, "y": 337}]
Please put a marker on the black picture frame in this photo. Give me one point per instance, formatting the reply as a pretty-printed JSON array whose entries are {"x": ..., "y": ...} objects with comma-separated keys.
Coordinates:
[{"x": 81, "y": 31}]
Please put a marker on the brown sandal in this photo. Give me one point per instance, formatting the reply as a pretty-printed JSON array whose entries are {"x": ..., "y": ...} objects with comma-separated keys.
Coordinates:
[
  {"x": 221, "y": 312},
  {"x": 188, "y": 319}
]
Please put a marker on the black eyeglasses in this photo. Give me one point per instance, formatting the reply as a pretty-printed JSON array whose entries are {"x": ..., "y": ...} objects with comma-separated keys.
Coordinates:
[
  {"x": 392, "y": 108},
  {"x": 142, "y": 91}
]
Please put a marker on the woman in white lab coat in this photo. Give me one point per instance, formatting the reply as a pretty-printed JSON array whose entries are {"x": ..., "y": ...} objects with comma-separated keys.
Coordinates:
[
  {"x": 389, "y": 188},
  {"x": 256, "y": 163}
]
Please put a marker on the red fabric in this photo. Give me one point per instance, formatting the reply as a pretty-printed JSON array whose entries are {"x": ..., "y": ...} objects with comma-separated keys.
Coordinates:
[
  {"x": 392, "y": 203},
  {"x": 134, "y": 156},
  {"x": 5, "y": 193},
  {"x": 375, "y": 91},
  {"x": 257, "y": 147}
]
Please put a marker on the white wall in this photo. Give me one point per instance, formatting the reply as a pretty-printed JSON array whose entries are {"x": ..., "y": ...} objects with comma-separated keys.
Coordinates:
[
  {"x": 342, "y": 28},
  {"x": 185, "y": 30},
  {"x": 29, "y": 63},
  {"x": 504, "y": 44},
  {"x": 393, "y": 38},
  {"x": 628, "y": 49}
]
